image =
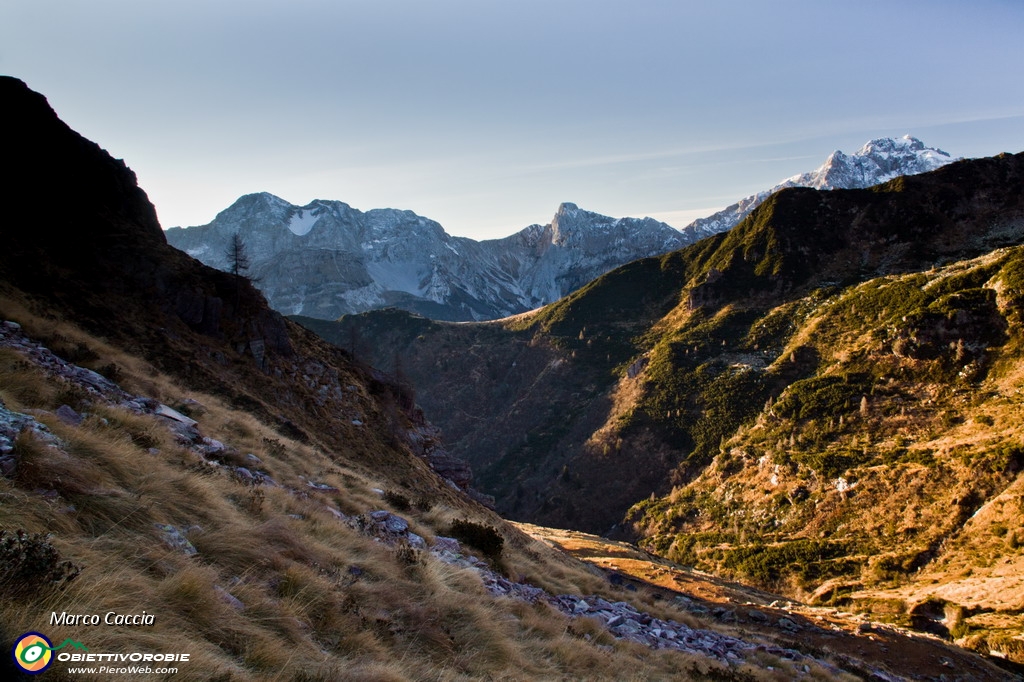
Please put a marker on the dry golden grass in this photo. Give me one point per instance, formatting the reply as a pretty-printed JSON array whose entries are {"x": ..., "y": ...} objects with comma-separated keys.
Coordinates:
[{"x": 318, "y": 600}]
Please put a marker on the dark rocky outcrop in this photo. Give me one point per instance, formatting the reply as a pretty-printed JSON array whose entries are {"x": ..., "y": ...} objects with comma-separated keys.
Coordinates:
[{"x": 81, "y": 241}]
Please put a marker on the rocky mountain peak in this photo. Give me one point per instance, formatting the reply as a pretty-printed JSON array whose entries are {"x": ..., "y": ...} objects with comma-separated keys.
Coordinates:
[
  {"x": 327, "y": 259},
  {"x": 568, "y": 221},
  {"x": 878, "y": 161},
  {"x": 889, "y": 145},
  {"x": 248, "y": 206}
]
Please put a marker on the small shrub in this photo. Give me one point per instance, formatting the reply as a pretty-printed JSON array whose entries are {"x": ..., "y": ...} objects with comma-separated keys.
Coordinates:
[
  {"x": 484, "y": 538},
  {"x": 950, "y": 418},
  {"x": 75, "y": 352},
  {"x": 398, "y": 501},
  {"x": 823, "y": 396},
  {"x": 29, "y": 564},
  {"x": 407, "y": 554},
  {"x": 114, "y": 373},
  {"x": 955, "y": 616},
  {"x": 256, "y": 497},
  {"x": 807, "y": 560},
  {"x": 273, "y": 447},
  {"x": 73, "y": 396}
]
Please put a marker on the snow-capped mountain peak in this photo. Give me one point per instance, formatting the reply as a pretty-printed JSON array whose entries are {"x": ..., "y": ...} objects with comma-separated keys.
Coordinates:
[
  {"x": 878, "y": 161},
  {"x": 326, "y": 258}
]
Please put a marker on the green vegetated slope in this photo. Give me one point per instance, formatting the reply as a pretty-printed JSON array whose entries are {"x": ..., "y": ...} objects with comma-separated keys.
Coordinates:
[
  {"x": 829, "y": 392},
  {"x": 867, "y": 466},
  {"x": 570, "y": 414},
  {"x": 247, "y": 535}
]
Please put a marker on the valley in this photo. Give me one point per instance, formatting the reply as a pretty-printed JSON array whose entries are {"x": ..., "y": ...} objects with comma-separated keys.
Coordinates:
[
  {"x": 823, "y": 401},
  {"x": 820, "y": 403}
]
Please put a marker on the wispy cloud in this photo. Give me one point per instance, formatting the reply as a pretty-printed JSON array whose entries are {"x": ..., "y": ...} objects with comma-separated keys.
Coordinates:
[{"x": 636, "y": 157}]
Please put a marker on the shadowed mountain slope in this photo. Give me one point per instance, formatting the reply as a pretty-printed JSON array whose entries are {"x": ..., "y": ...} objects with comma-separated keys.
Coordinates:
[
  {"x": 97, "y": 257},
  {"x": 545, "y": 384},
  {"x": 824, "y": 396}
]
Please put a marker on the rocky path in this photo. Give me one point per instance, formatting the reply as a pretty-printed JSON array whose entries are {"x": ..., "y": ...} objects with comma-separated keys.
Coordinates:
[{"x": 877, "y": 651}]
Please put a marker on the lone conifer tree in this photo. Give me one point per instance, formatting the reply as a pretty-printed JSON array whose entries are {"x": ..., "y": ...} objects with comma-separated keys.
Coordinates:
[{"x": 238, "y": 259}]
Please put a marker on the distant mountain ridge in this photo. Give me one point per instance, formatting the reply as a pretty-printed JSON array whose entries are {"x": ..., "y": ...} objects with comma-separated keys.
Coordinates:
[
  {"x": 327, "y": 259},
  {"x": 876, "y": 162}
]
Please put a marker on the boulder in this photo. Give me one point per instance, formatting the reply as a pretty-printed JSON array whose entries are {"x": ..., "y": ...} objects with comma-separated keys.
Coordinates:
[{"x": 68, "y": 415}]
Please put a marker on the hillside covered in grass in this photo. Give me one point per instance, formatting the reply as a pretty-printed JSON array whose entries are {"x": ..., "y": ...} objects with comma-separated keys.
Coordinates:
[
  {"x": 824, "y": 401},
  {"x": 175, "y": 453}
]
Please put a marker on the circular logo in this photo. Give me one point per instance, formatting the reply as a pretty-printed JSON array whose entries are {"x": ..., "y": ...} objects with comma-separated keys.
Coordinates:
[{"x": 33, "y": 653}]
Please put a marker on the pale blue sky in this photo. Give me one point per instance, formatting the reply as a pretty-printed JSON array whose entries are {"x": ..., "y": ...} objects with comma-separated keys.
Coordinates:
[{"x": 486, "y": 115}]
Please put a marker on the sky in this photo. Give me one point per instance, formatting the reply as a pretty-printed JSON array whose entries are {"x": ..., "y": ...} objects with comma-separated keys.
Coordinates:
[{"x": 486, "y": 115}]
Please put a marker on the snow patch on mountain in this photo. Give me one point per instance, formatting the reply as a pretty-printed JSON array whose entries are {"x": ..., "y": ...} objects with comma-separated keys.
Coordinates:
[
  {"x": 301, "y": 222},
  {"x": 327, "y": 259},
  {"x": 876, "y": 162}
]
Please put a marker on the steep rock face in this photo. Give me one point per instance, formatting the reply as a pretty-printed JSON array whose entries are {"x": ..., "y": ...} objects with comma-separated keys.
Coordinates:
[
  {"x": 327, "y": 259},
  {"x": 876, "y": 162}
]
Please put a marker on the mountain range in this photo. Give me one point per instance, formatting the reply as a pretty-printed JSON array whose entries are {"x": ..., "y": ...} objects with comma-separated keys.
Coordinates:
[
  {"x": 876, "y": 162},
  {"x": 824, "y": 400},
  {"x": 327, "y": 259},
  {"x": 171, "y": 446}
]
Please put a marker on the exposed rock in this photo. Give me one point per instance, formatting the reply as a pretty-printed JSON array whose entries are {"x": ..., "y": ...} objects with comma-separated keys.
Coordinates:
[
  {"x": 447, "y": 544},
  {"x": 244, "y": 475},
  {"x": 392, "y": 523},
  {"x": 12, "y": 424},
  {"x": 416, "y": 542},
  {"x": 323, "y": 487},
  {"x": 170, "y": 413},
  {"x": 228, "y": 598},
  {"x": 425, "y": 441},
  {"x": 757, "y": 616},
  {"x": 175, "y": 539},
  {"x": 788, "y": 624},
  {"x": 68, "y": 415}
]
